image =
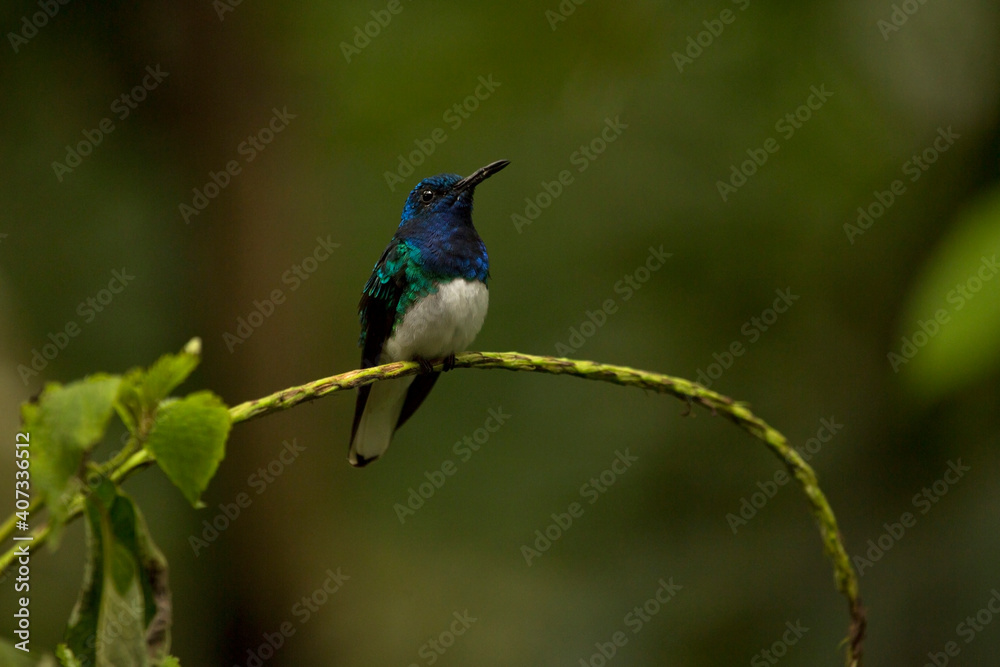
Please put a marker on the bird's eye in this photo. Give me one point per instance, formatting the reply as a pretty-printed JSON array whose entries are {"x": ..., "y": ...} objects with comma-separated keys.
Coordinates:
[{"x": 426, "y": 196}]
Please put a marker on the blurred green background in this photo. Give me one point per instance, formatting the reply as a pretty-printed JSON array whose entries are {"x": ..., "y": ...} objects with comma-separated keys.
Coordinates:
[{"x": 697, "y": 90}]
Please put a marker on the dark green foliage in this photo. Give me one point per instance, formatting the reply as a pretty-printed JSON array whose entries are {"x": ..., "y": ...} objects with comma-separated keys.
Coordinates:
[
  {"x": 123, "y": 613},
  {"x": 66, "y": 422},
  {"x": 188, "y": 441}
]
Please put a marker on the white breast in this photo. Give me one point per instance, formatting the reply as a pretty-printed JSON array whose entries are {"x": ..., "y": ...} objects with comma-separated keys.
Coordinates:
[{"x": 440, "y": 324}]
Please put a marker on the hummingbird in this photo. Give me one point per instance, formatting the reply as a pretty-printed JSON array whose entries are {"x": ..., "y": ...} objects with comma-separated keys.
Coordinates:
[{"x": 426, "y": 299}]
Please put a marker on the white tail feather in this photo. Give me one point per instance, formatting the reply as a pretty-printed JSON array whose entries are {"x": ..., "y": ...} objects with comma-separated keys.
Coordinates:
[{"x": 378, "y": 421}]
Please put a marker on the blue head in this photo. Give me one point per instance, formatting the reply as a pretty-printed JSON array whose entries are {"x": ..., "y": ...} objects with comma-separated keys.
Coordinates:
[
  {"x": 445, "y": 200},
  {"x": 437, "y": 225}
]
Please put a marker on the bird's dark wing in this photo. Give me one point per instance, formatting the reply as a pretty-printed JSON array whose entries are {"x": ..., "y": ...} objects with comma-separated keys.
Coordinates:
[
  {"x": 415, "y": 395},
  {"x": 379, "y": 300}
]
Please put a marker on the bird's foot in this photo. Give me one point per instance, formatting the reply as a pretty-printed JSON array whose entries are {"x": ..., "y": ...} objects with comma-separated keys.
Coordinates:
[
  {"x": 425, "y": 365},
  {"x": 449, "y": 362}
]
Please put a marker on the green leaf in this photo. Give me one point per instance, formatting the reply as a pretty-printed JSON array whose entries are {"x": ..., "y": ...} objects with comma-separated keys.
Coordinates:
[
  {"x": 65, "y": 424},
  {"x": 129, "y": 402},
  {"x": 121, "y": 567},
  {"x": 142, "y": 390},
  {"x": 169, "y": 371},
  {"x": 155, "y": 590},
  {"x": 188, "y": 440},
  {"x": 66, "y": 656},
  {"x": 950, "y": 327},
  {"x": 123, "y": 613},
  {"x": 121, "y": 637}
]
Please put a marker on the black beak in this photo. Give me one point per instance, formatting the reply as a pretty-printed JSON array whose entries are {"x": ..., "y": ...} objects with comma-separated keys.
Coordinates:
[{"x": 480, "y": 175}]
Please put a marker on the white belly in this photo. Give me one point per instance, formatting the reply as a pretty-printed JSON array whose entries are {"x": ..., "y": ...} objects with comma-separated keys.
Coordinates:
[{"x": 440, "y": 324}]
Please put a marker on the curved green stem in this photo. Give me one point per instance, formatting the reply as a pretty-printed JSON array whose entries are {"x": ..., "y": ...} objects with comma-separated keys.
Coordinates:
[{"x": 690, "y": 392}]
